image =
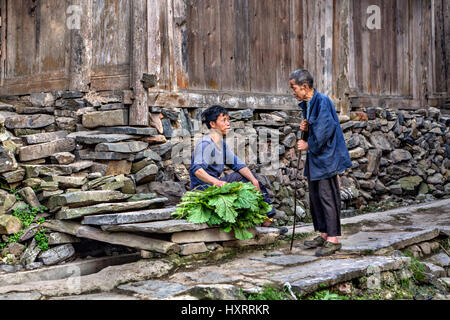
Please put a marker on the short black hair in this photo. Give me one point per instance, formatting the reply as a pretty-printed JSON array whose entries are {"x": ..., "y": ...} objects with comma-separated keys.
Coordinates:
[
  {"x": 212, "y": 114},
  {"x": 302, "y": 76}
]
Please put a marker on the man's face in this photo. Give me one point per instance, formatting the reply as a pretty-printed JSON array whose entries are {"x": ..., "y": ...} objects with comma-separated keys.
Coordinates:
[
  {"x": 299, "y": 92},
  {"x": 222, "y": 124}
]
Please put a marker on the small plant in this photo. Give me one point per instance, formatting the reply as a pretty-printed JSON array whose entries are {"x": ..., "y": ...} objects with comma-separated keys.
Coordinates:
[
  {"x": 327, "y": 295},
  {"x": 27, "y": 214},
  {"x": 417, "y": 268},
  {"x": 15, "y": 237},
  {"x": 269, "y": 293},
  {"x": 15, "y": 192},
  {"x": 41, "y": 240}
]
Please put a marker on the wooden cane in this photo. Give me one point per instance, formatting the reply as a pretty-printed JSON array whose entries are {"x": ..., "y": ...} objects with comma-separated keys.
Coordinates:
[{"x": 299, "y": 155}]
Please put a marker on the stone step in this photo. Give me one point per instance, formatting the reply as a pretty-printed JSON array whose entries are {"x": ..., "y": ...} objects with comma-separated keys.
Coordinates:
[
  {"x": 308, "y": 277},
  {"x": 44, "y": 150},
  {"x": 84, "y": 198},
  {"x": 67, "y": 214},
  {"x": 383, "y": 241},
  {"x": 162, "y": 227},
  {"x": 104, "y": 281},
  {"x": 95, "y": 137},
  {"x": 129, "y": 217}
]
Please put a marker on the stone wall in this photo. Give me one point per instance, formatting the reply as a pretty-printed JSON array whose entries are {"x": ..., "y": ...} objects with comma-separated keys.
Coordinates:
[{"x": 395, "y": 154}]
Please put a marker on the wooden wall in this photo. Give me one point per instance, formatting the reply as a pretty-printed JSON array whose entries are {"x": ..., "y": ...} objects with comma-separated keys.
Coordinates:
[
  {"x": 405, "y": 61},
  {"x": 243, "y": 45}
]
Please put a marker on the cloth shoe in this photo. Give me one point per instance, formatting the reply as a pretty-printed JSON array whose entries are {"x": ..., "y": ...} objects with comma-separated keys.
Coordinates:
[
  {"x": 315, "y": 243},
  {"x": 328, "y": 249}
]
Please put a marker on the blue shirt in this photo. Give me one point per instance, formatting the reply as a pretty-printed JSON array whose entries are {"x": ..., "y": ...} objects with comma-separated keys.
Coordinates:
[
  {"x": 328, "y": 154},
  {"x": 208, "y": 156}
]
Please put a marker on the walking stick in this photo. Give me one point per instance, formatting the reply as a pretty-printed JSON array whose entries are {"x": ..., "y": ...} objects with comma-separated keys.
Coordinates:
[{"x": 299, "y": 158}]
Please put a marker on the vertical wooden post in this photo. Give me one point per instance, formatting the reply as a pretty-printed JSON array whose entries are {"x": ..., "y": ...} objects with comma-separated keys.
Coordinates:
[
  {"x": 139, "y": 64},
  {"x": 3, "y": 18},
  {"x": 81, "y": 46}
]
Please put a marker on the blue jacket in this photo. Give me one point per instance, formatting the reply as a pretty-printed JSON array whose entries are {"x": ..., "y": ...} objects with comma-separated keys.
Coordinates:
[
  {"x": 328, "y": 154},
  {"x": 208, "y": 156}
]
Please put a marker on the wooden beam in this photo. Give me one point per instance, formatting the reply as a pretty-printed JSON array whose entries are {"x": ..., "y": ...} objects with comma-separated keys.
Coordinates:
[
  {"x": 139, "y": 65},
  {"x": 81, "y": 47},
  {"x": 3, "y": 42}
]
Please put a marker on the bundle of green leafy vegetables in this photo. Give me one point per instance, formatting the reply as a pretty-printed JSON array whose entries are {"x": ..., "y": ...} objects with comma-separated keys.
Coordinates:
[{"x": 235, "y": 206}]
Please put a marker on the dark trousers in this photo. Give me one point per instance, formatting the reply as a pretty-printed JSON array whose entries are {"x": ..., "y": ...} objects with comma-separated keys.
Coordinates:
[
  {"x": 237, "y": 177},
  {"x": 325, "y": 205}
]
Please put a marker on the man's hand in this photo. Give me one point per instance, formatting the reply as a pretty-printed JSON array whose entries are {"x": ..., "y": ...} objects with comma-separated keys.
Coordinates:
[
  {"x": 219, "y": 183},
  {"x": 302, "y": 145},
  {"x": 304, "y": 126},
  {"x": 256, "y": 184}
]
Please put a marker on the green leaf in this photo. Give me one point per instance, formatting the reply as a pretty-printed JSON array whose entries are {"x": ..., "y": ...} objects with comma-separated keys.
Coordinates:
[
  {"x": 225, "y": 207},
  {"x": 214, "y": 220},
  {"x": 199, "y": 215},
  {"x": 247, "y": 200},
  {"x": 242, "y": 234}
]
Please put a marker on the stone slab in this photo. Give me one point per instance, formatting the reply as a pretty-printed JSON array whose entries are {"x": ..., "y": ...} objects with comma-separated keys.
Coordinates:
[
  {"x": 57, "y": 254},
  {"x": 193, "y": 248},
  {"x": 128, "y": 240},
  {"x": 84, "y": 198},
  {"x": 307, "y": 278},
  {"x": 153, "y": 289},
  {"x": 91, "y": 155},
  {"x": 208, "y": 235},
  {"x": 23, "y": 296},
  {"x": 122, "y": 147},
  {"x": 168, "y": 226},
  {"x": 286, "y": 260},
  {"x": 68, "y": 227},
  {"x": 130, "y": 130},
  {"x": 43, "y": 150},
  {"x": 29, "y": 121},
  {"x": 66, "y": 182},
  {"x": 106, "y": 296},
  {"x": 129, "y": 217},
  {"x": 95, "y": 137},
  {"x": 57, "y": 238},
  {"x": 67, "y": 214},
  {"x": 440, "y": 259},
  {"x": 105, "y": 119},
  {"x": 45, "y": 137},
  {"x": 370, "y": 242}
]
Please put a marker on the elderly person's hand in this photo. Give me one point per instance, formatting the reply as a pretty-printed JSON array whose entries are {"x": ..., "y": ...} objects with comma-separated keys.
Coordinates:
[
  {"x": 304, "y": 126},
  {"x": 302, "y": 146}
]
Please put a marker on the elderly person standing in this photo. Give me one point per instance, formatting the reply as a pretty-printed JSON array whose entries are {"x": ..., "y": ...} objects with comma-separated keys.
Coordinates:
[{"x": 327, "y": 157}]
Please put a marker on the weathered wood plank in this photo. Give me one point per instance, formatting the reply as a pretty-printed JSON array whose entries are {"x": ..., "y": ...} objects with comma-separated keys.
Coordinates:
[
  {"x": 241, "y": 39},
  {"x": 127, "y": 240},
  {"x": 139, "y": 108},
  {"x": 228, "y": 44},
  {"x": 81, "y": 47}
]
